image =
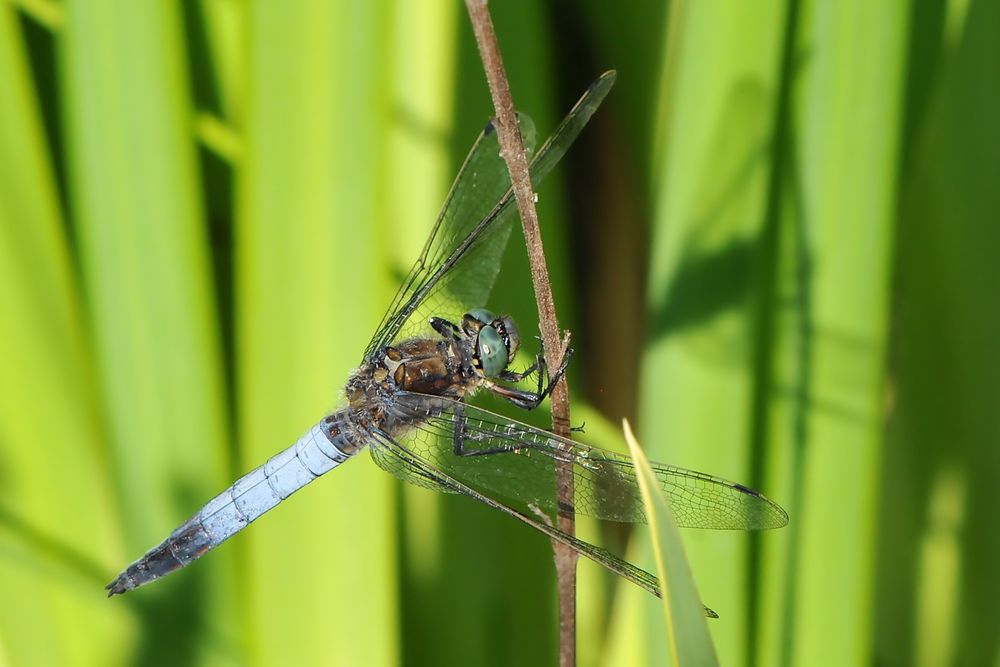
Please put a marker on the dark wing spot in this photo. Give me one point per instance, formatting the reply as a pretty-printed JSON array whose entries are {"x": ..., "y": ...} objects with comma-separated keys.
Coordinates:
[{"x": 746, "y": 490}]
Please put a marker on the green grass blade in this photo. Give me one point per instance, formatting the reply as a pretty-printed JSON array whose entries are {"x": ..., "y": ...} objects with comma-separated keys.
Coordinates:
[
  {"x": 133, "y": 179},
  {"x": 683, "y": 612},
  {"x": 224, "y": 28},
  {"x": 836, "y": 212},
  {"x": 710, "y": 171},
  {"x": 310, "y": 287},
  {"x": 938, "y": 543},
  {"x": 58, "y": 531},
  {"x": 766, "y": 362}
]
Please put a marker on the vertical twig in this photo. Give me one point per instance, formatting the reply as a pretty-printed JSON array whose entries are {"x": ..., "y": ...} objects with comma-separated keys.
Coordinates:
[{"x": 512, "y": 150}]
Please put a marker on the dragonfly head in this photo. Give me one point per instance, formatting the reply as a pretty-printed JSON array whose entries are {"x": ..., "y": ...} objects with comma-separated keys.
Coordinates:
[{"x": 496, "y": 340}]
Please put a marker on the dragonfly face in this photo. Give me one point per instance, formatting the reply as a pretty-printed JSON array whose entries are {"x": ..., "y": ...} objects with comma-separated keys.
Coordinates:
[
  {"x": 407, "y": 400},
  {"x": 496, "y": 341}
]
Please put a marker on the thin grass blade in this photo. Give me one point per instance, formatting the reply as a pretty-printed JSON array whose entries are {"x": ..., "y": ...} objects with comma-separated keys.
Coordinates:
[{"x": 683, "y": 612}]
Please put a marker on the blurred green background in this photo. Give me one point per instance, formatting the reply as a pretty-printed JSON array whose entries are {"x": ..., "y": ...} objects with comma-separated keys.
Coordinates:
[{"x": 776, "y": 246}]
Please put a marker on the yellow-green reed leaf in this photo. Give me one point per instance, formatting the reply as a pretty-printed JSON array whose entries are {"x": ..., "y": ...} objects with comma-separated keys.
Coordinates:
[
  {"x": 684, "y": 614},
  {"x": 133, "y": 177},
  {"x": 46, "y": 12},
  {"x": 838, "y": 214},
  {"x": 225, "y": 34},
  {"x": 133, "y": 180},
  {"x": 219, "y": 137},
  {"x": 310, "y": 287},
  {"x": 710, "y": 172},
  {"x": 769, "y": 289},
  {"x": 937, "y": 580},
  {"x": 58, "y": 532}
]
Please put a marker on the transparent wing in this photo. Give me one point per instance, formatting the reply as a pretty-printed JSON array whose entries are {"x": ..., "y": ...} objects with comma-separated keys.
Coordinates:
[
  {"x": 387, "y": 459},
  {"x": 395, "y": 457},
  {"x": 480, "y": 184},
  {"x": 460, "y": 260},
  {"x": 514, "y": 463}
]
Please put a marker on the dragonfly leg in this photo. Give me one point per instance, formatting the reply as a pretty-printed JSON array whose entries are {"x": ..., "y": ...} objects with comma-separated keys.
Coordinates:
[
  {"x": 460, "y": 436},
  {"x": 512, "y": 377},
  {"x": 446, "y": 328},
  {"x": 529, "y": 400},
  {"x": 526, "y": 400}
]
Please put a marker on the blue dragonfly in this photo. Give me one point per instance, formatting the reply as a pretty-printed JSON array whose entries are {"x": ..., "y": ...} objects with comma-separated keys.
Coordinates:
[{"x": 407, "y": 403}]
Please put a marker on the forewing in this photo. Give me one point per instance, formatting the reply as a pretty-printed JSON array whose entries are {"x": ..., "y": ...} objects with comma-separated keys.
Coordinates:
[
  {"x": 515, "y": 463},
  {"x": 471, "y": 206},
  {"x": 460, "y": 261}
]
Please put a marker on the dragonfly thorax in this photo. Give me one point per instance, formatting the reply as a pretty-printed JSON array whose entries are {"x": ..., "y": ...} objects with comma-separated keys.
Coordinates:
[
  {"x": 496, "y": 340},
  {"x": 454, "y": 365}
]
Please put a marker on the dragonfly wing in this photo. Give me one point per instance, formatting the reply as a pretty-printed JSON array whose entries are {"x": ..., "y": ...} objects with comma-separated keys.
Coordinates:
[
  {"x": 515, "y": 463},
  {"x": 423, "y": 469},
  {"x": 389, "y": 460},
  {"x": 460, "y": 260},
  {"x": 480, "y": 184}
]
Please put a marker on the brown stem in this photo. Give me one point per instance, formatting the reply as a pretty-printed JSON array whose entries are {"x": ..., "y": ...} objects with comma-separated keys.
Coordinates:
[{"x": 512, "y": 150}]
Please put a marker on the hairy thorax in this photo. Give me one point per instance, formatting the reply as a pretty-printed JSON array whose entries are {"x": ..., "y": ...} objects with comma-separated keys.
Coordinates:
[{"x": 432, "y": 366}]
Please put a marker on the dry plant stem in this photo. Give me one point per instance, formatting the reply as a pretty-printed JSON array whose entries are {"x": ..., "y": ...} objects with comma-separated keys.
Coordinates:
[{"x": 512, "y": 150}]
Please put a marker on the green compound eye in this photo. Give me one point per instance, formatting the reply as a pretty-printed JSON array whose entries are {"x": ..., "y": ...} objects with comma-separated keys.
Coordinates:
[
  {"x": 492, "y": 351},
  {"x": 482, "y": 315}
]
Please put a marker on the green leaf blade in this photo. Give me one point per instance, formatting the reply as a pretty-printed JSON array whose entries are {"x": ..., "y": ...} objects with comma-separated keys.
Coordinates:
[{"x": 684, "y": 614}]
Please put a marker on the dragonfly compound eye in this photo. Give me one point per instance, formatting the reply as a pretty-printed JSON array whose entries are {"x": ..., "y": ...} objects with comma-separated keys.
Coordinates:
[
  {"x": 481, "y": 315},
  {"x": 491, "y": 351}
]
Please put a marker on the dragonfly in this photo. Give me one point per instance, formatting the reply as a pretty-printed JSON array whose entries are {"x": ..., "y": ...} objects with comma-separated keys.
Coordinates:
[{"x": 408, "y": 401}]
